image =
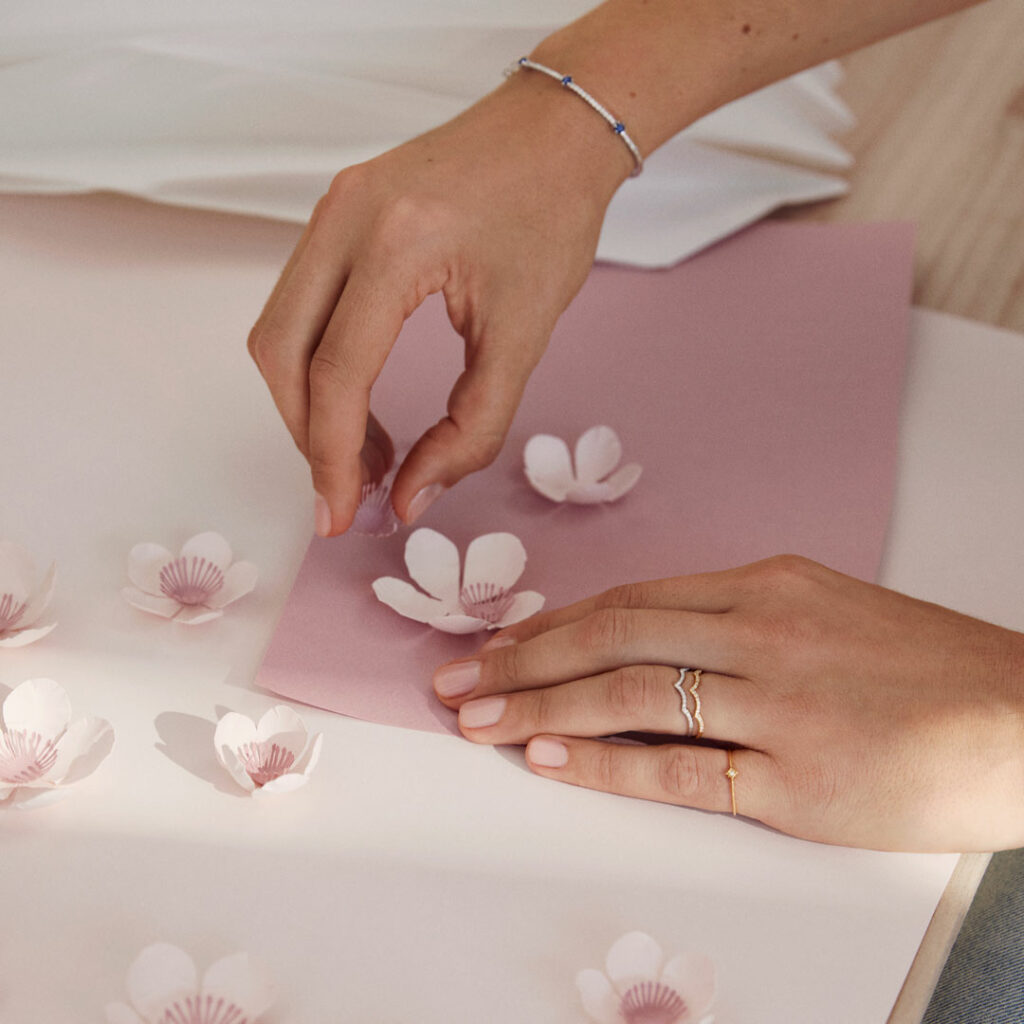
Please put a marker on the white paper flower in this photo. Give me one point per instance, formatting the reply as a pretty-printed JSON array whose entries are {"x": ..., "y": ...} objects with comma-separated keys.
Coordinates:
[
  {"x": 598, "y": 451},
  {"x": 164, "y": 988},
  {"x": 23, "y": 599},
  {"x": 275, "y": 756},
  {"x": 192, "y": 588},
  {"x": 637, "y": 986},
  {"x": 375, "y": 516},
  {"x": 40, "y": 748},
  {"x": 480, "y": 597}
]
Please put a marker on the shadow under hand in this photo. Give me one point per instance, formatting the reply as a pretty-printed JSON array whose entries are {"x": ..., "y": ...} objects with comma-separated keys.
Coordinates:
[{"x": 187, "y": 740}]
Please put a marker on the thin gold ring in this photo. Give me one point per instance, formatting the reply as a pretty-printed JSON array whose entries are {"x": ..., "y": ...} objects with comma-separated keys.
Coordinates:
[
  {"x": 697, "y": 717},
  {"x": 730, "y": 774}
]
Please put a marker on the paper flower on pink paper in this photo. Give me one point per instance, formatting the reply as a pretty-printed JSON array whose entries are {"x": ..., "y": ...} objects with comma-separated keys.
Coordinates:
[
  {"x": 375, "y": 515},
  {"x": 596, "y": 478},
  {"x": 41, "y": 749},
  {"x": 193, "y": 587},
  {"x": 638, "y": 986},
  {"x": 274, "y": 756},
  {"x": 476, "y": 597},
  {"x": 23, "y": 597},
  {"x": 164, "y": 988}
]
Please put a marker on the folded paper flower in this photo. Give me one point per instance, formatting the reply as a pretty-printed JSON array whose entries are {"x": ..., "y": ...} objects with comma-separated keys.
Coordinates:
[
  {"x": 598, "y": 452},
  {"x": 375, "y": 516},
  {"x": 41, "y": 750},
  {"x": 164, "y": 988},
  {"x": 638, "y": 985},
  {"x": 274, "y": 756},
  {"x": 23, "y": 598},
  {"x": 480, "y": 597},
  {"x": 192, "y": 588}
]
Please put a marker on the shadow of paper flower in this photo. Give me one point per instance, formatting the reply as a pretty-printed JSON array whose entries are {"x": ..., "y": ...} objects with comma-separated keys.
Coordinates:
[{"x": 187, "y": 740}]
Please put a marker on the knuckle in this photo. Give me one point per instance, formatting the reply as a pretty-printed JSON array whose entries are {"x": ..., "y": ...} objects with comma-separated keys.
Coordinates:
[
  {"x": 681, "y": 775},
  {"x": 606, "y": 768},
  {"x": 482, "y": 449},
  {"x": 501, "y": 669},
  {"x": 629, "y": 691},
  {"x": 626, "y": 595},
  {"x": 540, "y": 710},
  {"x": 327, "y": 372},
  {"x": 605, "y": 629}
]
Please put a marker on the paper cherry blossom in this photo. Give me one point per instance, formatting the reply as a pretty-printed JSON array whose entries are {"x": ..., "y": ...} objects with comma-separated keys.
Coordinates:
[
  {"x": 23, "y": 597},
  {"x": 638, "y": 985},
  {"x": 375, "y": 515},
  {"x": 41, "y": 749},
  {"x": 598, "y": 451},
  {"x": 164, "y": 988},
  {"x": 192, "y": 588},
  {"x": 275, "y": 756},
  {"x": 480, "y": 597}
]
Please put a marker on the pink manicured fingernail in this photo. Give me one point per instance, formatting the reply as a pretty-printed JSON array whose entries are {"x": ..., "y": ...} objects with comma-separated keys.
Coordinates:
[
  {"x": 422, "y": 500},
  {"x": 457, "y": 679},
  {"x": 546, "y": 753},
  {"x": 478, "y": 714},
  {"x": 497, "y": 641},
  {"x": 323, "y": 516}
]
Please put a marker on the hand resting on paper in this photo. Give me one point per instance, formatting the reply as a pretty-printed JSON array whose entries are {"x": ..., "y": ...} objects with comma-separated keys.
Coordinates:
[{"x": 855, "y": 715}]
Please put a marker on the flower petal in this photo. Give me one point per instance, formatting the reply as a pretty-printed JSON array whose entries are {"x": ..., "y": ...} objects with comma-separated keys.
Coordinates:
[
  {"x": 27, "y": 798},
  {"x": 239, "y": 580},
  {"x": 693, "y": 976},
  {"x": 233, "y": 731},
  {"x": 495, "y": 558},
  {"x": 524, "y": 604},
  {"x": 598, "y": 452},
  {"x": 460, "y": 624},
  {"x": 211, "y": 546},
  {"x": 229, "y": 759},
  {"x": 81, "y": 750},
  {"x": 119, "y": 1013},
  {"x": 40, "y": 599},
  {"x": 599, "y": 999},
  {"x": 309, "y": 759},
  {"x": 17, "y": 571},
  {"x": 433, "y": 562},
  {"x": 623, "y": 480},
  {"x": 634, "y": 957},
  {"x": 548, "y": 465},
  {"x": 280, "y": 719},
  {"x": 165, "y": 607},
  {"x": 38, "y": 705},
  {"x": 144, "y": 564},
  {"x": 197, "y": 614},
  {"x": 284, "y": 783},
  {"x": 405, "y": 599},
  {"x": 588, "y": 494},
  {"x": 21, "y": 637},
  {"x": 242, "y": 981},
  {"x": 160, "y": 974}
]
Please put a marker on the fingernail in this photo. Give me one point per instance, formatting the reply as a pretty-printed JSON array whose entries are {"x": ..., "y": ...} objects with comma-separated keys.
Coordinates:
[
  {"x": 497, "y": 641},
  {"x": 422, "y": 500},
  {"x": 323, "y": 516},
  {"x": 457, "y": 679},
  {"x": 478, "y": 714},
  {"x": 546, "y": 753}
]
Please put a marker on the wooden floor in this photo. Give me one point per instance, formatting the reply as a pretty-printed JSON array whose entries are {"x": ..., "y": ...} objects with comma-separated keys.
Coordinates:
[{"x": 940, "y": 142}]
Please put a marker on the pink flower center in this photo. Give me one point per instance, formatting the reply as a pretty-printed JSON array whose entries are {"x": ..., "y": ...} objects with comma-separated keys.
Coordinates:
[
  {"x": 651, "y": 1002},
  {"x": 190, "y": 580},
  {"x": 10, "y": 611},
  {"x": 207, "y": 1009},
  {"x": 265, "y": 761},
  {"x": 375, "y": 515},
  {"x": 25, "y": 756},
  {"x": 485, "y": 601}
]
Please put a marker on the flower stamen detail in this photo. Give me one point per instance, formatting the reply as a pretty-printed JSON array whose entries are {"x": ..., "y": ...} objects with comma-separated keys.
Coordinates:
[
  {"x": 25, "y": 756},
  {"x": 264, "y": 762},
  {"x": 651, "y": 1002},
  {"x": 190, "y": 581},
  {"x": 10, "y": 611},
  {"x": 203, "y": 1010},
  {"x": 486, "y": 601}
]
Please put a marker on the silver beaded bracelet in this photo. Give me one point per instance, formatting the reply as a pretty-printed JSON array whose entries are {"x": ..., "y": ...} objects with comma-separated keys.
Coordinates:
[{"x": 566, "y": 80}]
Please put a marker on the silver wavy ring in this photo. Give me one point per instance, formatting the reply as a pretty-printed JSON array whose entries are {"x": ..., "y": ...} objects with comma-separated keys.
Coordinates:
[{"x": 684, "y": 706}]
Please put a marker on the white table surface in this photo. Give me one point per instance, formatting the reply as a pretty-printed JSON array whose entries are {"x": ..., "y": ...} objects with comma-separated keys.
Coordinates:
[{"x": 417, "y": 877}]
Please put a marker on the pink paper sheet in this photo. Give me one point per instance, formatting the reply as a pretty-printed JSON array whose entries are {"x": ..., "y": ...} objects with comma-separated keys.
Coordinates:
[{"x": 759, "y": 385}]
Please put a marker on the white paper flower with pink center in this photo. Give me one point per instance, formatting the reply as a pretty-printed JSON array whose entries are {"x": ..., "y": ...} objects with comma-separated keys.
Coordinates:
[
  {"x": 164, "y": 988},
  {"x": 638, "y": 986},
  {"x": 23, "y": 597},
  {"x": 193, "y": 587},
  {"x": 477, "y": 597},
  {"x": 595, "y": 479},
  {"x": 41, "y": 749},
  {"x": 274, "y": 756}
]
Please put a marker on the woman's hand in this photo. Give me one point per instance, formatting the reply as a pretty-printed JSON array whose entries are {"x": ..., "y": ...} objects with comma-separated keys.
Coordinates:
[
  {"x": 500, "y": 210},
  {"x": 855, "y": 715}
]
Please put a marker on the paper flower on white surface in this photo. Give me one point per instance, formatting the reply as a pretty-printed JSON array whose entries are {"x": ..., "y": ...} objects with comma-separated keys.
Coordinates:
[
  {"x": 193, "y": 587},
  {"x": 549, "y": 467},
  {"x": 274, "y": 756},
  {"x": 637, "y": 986},
  {"x": 41, "y": 749},
  {"x": 375, "y": 515},
  {"x": 23, "y": 597},
  {"x": 164, "y": 988},
  {"x": 478, "y": 597}
]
